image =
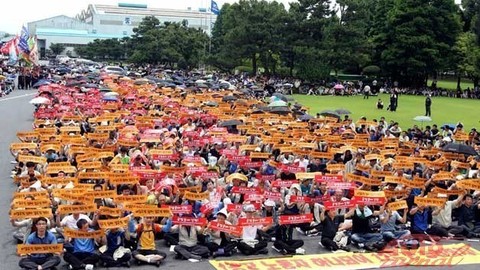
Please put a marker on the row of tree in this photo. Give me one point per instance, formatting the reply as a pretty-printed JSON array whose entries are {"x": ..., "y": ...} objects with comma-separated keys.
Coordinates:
[{"x": 404, "y": 40}]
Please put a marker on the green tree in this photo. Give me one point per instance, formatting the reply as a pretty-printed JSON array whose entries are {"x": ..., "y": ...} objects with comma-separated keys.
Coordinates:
[
  {"x": 57, "y": 48},
  {"x": 416, "y": 41},
  {"x": 468, "y": 57}
]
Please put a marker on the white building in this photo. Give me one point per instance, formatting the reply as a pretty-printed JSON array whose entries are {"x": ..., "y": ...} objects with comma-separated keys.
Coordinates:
[{"x": 109, "y": 21}]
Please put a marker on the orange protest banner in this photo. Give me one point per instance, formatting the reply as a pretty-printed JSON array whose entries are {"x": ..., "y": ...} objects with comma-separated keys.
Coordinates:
[
  {"x": 19, "y": 146},
  {"x": 37, "y": 203},
  {"x": 76, "y": 209},
  {"x": 335, "y": 167},
  {"x": 92, "y": 175},
  {"x": 429, "y": 201},
  {"x": 196, "y": 196},
  {"x": 468, "y": 184},
  {"x": 131, "y": 199},
  {"x": 58, "y": 180},
  {"x": 71, "y": 233},
  {"x": 109, "y": 211},
  {"x": 119, "y": 179},
  {"x": 259, "y": 155},
  {"x": 374, "y": 173},
  {"x": 34, "y": 159},
  {"x": 23, "y": 249},
  {"x": 102, "y": 194},
  {"x": 152, "y": 212},
  {"x": 307, "y": 175},
  {"x": 364, "y": 193},
  {"x": 441, "y": 176},
  {"x": 194, "y": 189},
  {"x": 394, "y": 194},
  {"x": 119, "y": 167},
  {"x": 35, "y": 194},
  {"x": 398, "y": 205},
  {"x": 89, "y": 165},
  {"x": 30, "y": 213},
  {"x": 113, "y": 223}
]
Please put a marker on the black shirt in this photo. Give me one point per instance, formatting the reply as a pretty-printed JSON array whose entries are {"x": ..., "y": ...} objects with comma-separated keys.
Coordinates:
[
  {"x": 466, "y": 215},
  {"x": 330, "y": 227},
  {"x": 360, "y": 224}
]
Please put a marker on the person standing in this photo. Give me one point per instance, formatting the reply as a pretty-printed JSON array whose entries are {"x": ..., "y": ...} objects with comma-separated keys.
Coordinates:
[
  {"x": 41, "y": 236},
  {"x": 428, "y": 105}
]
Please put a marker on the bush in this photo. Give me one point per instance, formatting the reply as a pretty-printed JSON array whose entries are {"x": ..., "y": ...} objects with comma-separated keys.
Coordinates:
[{"x": 371, "y": 70}]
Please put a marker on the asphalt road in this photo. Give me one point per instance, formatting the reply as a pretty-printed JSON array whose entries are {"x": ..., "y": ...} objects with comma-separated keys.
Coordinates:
[{"x": 16, "y": 114}]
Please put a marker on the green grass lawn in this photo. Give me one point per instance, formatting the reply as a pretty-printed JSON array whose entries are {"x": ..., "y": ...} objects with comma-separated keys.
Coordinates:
[
  {"x": 444, "y": 110},
  {"x": 451, "y": 84}
]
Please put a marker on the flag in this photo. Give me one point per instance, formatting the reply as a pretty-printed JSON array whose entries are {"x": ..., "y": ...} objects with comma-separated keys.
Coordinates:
[
  {"x": 12, "y": 52},
  {"x": 5, "y": 49},
  {"x": 23, "y": 41},
  {"x": 214, "y": 8},
  {"x": 23, "y": 48},
  {"x": 32, "y": 45}
]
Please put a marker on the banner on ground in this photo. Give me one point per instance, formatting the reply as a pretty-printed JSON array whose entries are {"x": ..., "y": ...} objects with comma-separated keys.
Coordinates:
[{"x": 448, "y": 255}]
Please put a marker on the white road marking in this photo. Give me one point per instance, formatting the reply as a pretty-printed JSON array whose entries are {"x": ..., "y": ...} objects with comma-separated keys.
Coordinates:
[{"x": 22, "y": 96}]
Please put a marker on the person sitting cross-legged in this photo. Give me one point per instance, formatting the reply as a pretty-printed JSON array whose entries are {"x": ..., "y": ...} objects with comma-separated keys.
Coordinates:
[
  {"x": 40, "y": 237},
  {"x": 147, "y": 251}
]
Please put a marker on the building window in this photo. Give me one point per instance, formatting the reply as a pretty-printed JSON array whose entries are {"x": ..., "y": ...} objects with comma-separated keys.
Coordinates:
[{"x": 94, "y": 31}]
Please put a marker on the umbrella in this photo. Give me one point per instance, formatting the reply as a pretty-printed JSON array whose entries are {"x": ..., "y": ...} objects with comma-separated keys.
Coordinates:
[
  {"x": 229, "y": 98},
  {"x": 305, "y": 117},
  {"x": 90, "y": 85},
  {"x": 229, "y": 123},
  {"x": 460, "y": 148},
  {"x": 343, "y": 111},
  {"x": 73, "y": 83},
  {"x": 41, "y": 83},
  {"x": 422, "y": 118},
  {"x": 330, "y": 113},
  {"x": 338, "y": 87},
  {"x": 280, "y": 96},
  {"x": 278, "y": 103},
  {"x": 211, "y": 103},
  {"x": 110, "y": 98},
  {"x": 40, "y": 100},
  {"x": 200, "y": 81},
  {"x": 280, "y": 110},
  {"x": 110, "y": 94}
]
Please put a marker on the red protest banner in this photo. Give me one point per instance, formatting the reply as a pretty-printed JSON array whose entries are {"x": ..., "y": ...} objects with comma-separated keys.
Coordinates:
[
  {"x": 255, "y": 221},
  {"x": 341, "y": 185},
  {"x": 264, "y": 177},
  {"x": 329, "y": 178},
  {"x": 188, "y": 221},
  {"x": 330, "y": 205},
  {"x": 295, "y": 219},
  {"x": 234, "y": 230},
  {"x": 254, "y": 197},
  {"x": 275, "y": 196},
  {"x": 180, "y": 209},
  {"x": 369, "y": 200},
  {"x": 300, "y": 199},
  {"x": 284, "y": 183},
  {"x": 244, "y": 190}
]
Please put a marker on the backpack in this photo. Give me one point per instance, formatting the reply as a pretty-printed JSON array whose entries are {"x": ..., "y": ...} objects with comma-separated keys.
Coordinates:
[{"x": 410, "y": 244}]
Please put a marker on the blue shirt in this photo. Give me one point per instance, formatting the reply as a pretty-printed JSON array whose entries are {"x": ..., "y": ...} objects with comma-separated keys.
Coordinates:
[
  {"x": 420, "y": 221},
  {"x": 114, "y": 240},
  {"x": 33, "y": 239},
  {"x": 84, "y": 245}
]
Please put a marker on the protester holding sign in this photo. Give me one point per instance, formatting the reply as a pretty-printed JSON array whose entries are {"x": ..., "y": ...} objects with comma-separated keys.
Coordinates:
[
  {"x": 388, "y": 220},
  {"x": 188, "y": 247},
  {"x": 147, "y": 251},
  {"x": 84, "y": 255},
  {"x": 252, "y": 243},
  {"x": 330, "y": 223},
  {"x": 220, "y": 243},
  {"x": 41, "y": 237}
]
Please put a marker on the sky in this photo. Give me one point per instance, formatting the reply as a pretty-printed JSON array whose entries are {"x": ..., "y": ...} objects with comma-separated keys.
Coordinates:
[{"x": 14, "y": 14}]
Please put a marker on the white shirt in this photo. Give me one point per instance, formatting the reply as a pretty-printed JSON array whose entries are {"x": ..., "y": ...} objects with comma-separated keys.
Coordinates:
[
  {"x": 71, "y": 223},
  {"x": 444, "y": 217}
]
